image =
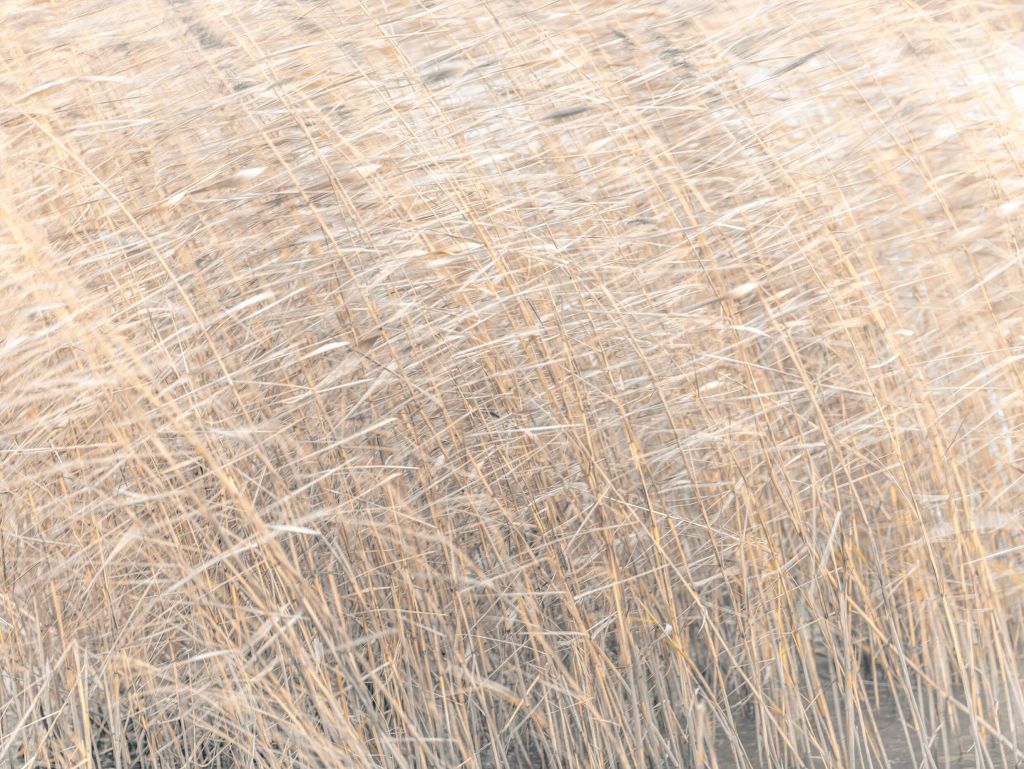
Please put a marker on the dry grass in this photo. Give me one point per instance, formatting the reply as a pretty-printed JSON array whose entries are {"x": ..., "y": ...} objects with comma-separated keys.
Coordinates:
[{"x": 509, "y": 384}]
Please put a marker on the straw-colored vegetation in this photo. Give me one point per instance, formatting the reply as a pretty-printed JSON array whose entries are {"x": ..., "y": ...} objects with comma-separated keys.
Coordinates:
[{"x": 501, "y": 383}]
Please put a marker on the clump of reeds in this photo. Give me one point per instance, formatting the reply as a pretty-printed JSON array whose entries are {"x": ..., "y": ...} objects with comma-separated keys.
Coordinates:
[{"x": 518, "y": 384}]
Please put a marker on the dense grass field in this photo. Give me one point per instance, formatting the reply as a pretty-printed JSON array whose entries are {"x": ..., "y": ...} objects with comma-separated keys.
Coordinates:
[{"x": 506, "y": 384}]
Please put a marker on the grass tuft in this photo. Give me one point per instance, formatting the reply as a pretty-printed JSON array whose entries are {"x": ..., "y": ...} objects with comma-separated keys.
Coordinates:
[{"x": 442, "y": 384}]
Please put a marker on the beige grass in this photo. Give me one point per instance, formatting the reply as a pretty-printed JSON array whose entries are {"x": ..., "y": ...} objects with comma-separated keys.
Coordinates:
[{"x": 508, "y": 384}]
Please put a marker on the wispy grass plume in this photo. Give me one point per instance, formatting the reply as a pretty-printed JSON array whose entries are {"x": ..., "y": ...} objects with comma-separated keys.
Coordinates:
[{"x": 426, "y": 385}]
